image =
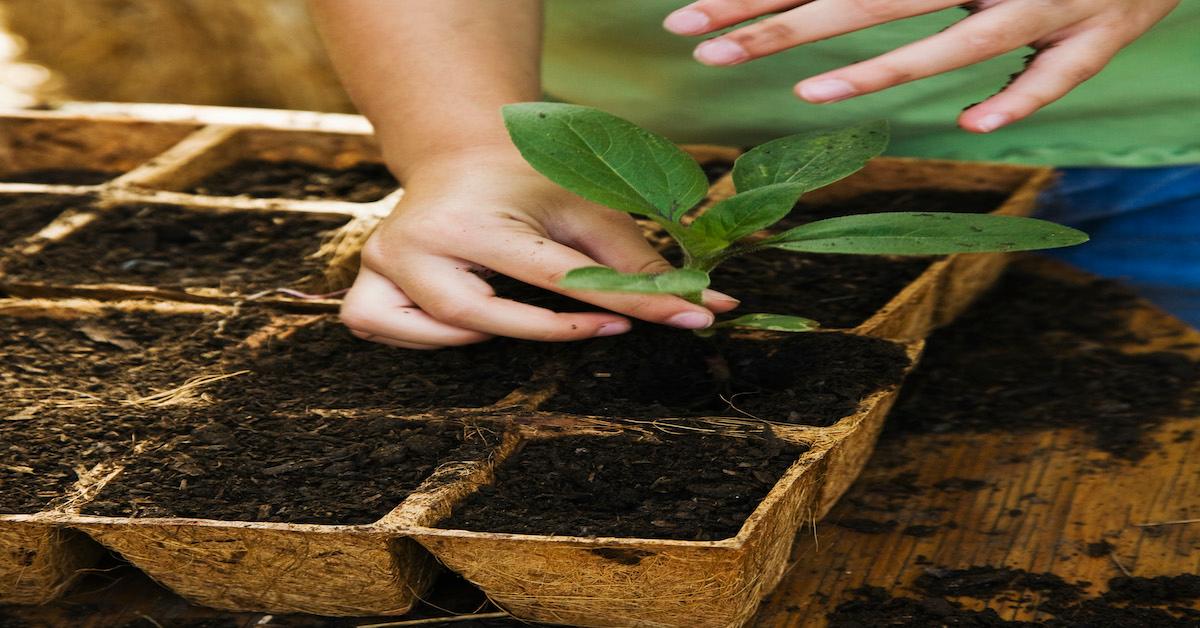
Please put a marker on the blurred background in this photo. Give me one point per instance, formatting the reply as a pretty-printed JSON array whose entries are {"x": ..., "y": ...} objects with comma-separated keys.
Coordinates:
[{"x": 253, "y": 53}]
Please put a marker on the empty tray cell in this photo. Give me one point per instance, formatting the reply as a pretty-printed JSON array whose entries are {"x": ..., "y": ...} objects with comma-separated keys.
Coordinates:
[
  {"x": 79, "y": 151},
  {"x": 684, "y": 486},
  {"x": 322, "y": 365},
  {"x": 305, "y": 469},
  {"x": 22, "y": 215},
  {"x": 288, "y": 165},
  {"x": 170, "y": 247},
  {"x": 802, "y": 379}
]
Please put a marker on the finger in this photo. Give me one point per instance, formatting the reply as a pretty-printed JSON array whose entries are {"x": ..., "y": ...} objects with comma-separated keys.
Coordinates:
[
  {"x": 614, "y": 239},
  {"x": 812, "y": 22},
  {"x": 990, "y": 33},
  {"x": 541, "y": 262},
  {"x": 706, "y": 16},
  {"x": 376, "y": 308},
  {"x": 1053, "y": 73},
  {"x": 392, "y": 342},
  {"x": 460, "y": 299}
]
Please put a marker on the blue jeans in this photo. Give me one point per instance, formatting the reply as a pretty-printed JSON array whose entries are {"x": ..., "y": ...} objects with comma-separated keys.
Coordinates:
[{"x": 1145, "y": 228}]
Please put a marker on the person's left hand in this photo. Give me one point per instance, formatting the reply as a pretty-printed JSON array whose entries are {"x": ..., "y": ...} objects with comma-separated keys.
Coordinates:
[{"x": 1075, "y": 39}]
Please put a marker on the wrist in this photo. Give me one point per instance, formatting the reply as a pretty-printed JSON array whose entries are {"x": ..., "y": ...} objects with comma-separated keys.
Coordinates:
[{"x": 436, "y": 162}]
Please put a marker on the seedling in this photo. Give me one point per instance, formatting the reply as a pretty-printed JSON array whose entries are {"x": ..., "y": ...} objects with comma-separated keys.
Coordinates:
[{"x": 613, "y": 162}]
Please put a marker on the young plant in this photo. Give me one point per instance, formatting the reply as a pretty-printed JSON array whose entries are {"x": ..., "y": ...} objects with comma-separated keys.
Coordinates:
[{"x": 611, "y": 161}]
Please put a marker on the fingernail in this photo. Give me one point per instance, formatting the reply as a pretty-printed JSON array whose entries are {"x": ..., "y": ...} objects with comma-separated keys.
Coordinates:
[
  {"x": 690, "y": 320},
  {"x": 828, "y": 90},
  {"x": 686, "y": 22},
  {"x": 992, "y": 121},
  {"x": 612, "y": 329},
  {"x": 720, "y": 52},
  {"x": 713, "y": 295}
]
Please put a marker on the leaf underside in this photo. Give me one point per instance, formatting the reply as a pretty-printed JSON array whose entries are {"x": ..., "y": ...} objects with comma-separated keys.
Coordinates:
[
  {"x": 606, "y": 159},
  {"x": 930, "y": 233},
  {"x": 771, "y": 322},
  {"x": 682, "y": 281}
]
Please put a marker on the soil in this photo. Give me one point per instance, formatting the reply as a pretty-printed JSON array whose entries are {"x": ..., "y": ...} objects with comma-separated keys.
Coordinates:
[
  {"x": 306, "y": 469},
  {"x": 1047, "y": 354},
  {"x": 716, "y": 169},
  {"x": 363, "y": 182},
  {"x": 173, "y": 247},
  {"x": 1128, "y": 602},
  {"x": 23, "y": 215},
  {"x": 838, "y": 291},
  {"x": 322, "y": 364},
  {"x": 62, "y": 384},
  {"x": 61, "y": 176},
  {"x": 690, "y": 486},
  {"x": 805, "y": 379}
]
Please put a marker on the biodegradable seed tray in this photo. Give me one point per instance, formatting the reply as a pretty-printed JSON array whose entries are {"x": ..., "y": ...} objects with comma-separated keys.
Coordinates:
[{"x": 144, "y": 202}]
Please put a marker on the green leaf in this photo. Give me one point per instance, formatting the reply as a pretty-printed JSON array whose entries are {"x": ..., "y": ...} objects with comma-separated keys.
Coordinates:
[
  {"x": 606, "y": 159},
  {"x": 813, "y": 159},
  {"x": 932, "y": 233},
  {"x": 684, "y": 281},
  {"x": 772, "y": 322},
  {"x": 742, "y": 214}
]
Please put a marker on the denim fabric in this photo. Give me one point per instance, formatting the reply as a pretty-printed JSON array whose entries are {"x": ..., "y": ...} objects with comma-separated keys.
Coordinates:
[{"x": 1145, "y": 228}]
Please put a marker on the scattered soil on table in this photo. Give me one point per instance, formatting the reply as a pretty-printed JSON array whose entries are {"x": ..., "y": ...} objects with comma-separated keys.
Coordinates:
[
  {"x": 306, "y": 469},
  {"x": 23, "y": 215},
  {"x": 173, "y": 247},
  {"x": 691, "y": 486},
  {"x": 838, "y": 291},
  {"x": 909, "y": 200},
  {"x": 61, "y": 176},
  {"x": 866, "y": 526},
  {"x": 807, "y": 379},
  {"x": 1047, "y": 354},
  {"x": 322, "y": 365},
  {"x": 62, "y": 384},
  {"x": 1099, "y": 549},
  {"x": 363, "y": 182},
  {"x": 1129, "y": 602}
]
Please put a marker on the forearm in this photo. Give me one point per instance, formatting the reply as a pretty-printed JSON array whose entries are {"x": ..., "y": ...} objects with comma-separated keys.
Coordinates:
[{"x": 431, "y": 76}]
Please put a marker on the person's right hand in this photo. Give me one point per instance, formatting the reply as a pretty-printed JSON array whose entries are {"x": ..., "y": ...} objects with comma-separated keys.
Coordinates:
[{"x": 485, "y": 208}]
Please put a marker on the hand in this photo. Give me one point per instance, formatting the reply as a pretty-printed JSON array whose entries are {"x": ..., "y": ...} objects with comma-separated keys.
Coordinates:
[
  {"x": 485, "y": 208},
  {"x": 1074, "y": 40}
]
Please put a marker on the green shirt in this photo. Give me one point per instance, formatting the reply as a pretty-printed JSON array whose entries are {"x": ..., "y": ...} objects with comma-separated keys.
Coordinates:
[{"x": 1142, "y": 110}]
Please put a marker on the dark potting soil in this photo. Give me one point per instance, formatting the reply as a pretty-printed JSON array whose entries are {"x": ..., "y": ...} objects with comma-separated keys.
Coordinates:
[
  {"x": 806, "y": 379},
  {"x": 1046, "y": 354},
  {"x": 168, "y": 246},
  {"x": 690, "y": 486},
  {"x": 909, "y": 200},
  {"x": 62, "y": 384},
  {"x": 322, "y": 364},
  {"x": 60, "y": 176},
  {"x": 23, "y": 215},
  {"x": 363, "y": 182},
  {"x": 1128, "y": 603},
  {"x": 43, "y": 453},
  {"x": 716, "y": 169},
  {"x": 305, "y": 469},
  {"x": 109, "y": 357},
  {"x": 837, "y": 291}
]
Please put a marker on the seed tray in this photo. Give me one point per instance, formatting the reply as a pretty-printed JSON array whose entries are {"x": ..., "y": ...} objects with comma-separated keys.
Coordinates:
[{"x": 379, "y": 567}]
